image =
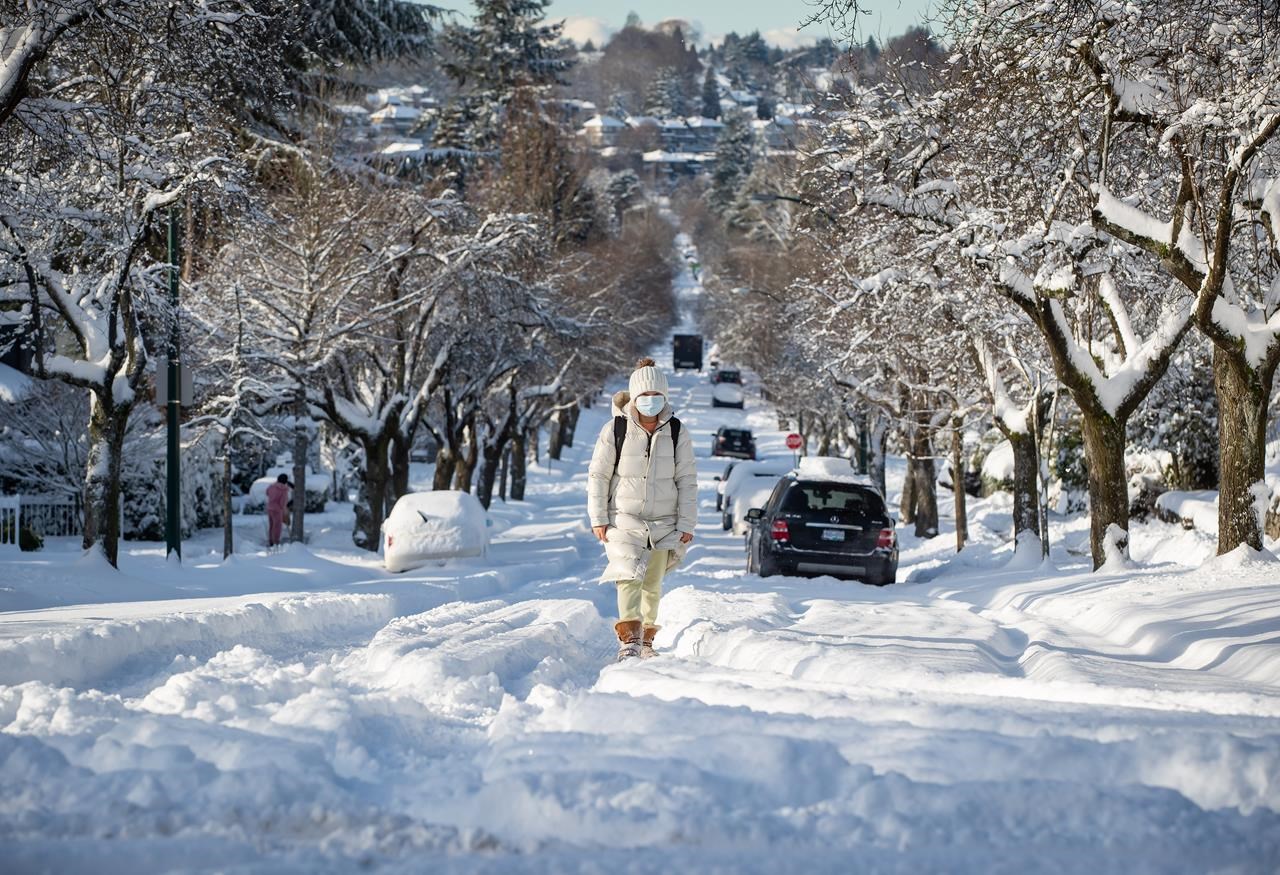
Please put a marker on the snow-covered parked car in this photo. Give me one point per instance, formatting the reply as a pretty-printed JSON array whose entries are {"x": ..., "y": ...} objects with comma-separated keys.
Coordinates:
[
  {"x": 425, "y": 526},
  {"x": 318, "y": 487},
  {"x": 727, "y": 395},
  {"x": 753, "y": 494},
  {"x": 747, "y": 477}
]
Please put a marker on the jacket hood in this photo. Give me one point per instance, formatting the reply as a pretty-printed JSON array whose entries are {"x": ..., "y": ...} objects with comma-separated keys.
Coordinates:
[{"x": 622, "y": 406}]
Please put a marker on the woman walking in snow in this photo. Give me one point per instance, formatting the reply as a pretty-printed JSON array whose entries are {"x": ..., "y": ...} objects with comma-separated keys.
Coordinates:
[
  {"x": 642, "y": 500},
  {"x": 278, "y": 495}
]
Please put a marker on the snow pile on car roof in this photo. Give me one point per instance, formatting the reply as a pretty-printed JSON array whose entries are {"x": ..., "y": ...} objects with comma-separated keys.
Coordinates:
[
  {"x": 829, "y": 468},
  {"x": 442, "y": 524}
]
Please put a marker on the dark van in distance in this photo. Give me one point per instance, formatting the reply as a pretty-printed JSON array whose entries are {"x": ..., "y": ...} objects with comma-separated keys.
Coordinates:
[{"x": 686, "y": 351}]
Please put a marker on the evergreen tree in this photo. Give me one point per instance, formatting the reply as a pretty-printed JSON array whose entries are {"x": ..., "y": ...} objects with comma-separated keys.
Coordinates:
[
  {"x": 710, "y": 95},
  {"x": 766, "y": 104},
  {"x": 456, "y": 126},
  {"x": 733, "y": 161},
  {"x": 336, "y": 32},
  {"x": 618, "y": 107},
  {"x": 665, "y": 95},
  {"x": 506, "y": 47}
]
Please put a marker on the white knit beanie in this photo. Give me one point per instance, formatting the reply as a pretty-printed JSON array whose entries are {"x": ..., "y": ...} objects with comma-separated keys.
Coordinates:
[{"x": 647, "y": 379}]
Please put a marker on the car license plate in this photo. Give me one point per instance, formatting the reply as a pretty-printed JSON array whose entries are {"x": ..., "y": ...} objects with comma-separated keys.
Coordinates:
[{"x": 833, "y": 534}]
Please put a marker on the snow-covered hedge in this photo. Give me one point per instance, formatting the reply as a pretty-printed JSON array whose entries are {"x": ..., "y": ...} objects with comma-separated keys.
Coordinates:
[
  {"x": 318, "y": 488},
  {"x": 143, "y": 479}
]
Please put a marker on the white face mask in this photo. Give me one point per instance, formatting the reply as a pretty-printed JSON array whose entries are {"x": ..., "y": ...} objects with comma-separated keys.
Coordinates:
[{"x": 651, "y": 405}]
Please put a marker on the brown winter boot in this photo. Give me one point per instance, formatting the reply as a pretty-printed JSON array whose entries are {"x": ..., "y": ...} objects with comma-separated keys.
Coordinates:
[
  {"x": 629, "y": 638},
  {"x": 646, "y": 648}
]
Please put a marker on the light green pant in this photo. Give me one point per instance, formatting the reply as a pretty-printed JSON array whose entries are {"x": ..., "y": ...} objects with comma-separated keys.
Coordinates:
[{"x": 638, "y": 599}]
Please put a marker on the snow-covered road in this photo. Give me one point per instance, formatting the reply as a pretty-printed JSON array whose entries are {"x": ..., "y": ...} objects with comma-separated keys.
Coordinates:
[{"x": 973, "y": 718}]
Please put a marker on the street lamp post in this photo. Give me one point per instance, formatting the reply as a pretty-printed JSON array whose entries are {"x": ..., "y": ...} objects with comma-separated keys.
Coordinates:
[{"x": 173, "y": 408}]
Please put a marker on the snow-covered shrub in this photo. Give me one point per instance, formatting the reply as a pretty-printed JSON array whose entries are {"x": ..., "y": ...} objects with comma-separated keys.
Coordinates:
[
  {"x": 1146, "y": 477},
  {"x": 1181, "y": 416},
  {"x": 1070, "y": 491},
  {"x": 29, "y": 541},
  {"x": 996, "y": 473},
  {"x": 43, "y": 441},
  {"x": 143, "y": 480}
]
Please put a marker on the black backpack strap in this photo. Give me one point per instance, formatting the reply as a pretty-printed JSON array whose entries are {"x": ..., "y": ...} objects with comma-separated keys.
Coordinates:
[
  {"x": 675, "y": 436},
  {"x": 619, "y": 438}
]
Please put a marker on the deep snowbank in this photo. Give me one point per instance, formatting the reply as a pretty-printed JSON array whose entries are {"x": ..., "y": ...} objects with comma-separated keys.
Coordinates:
[{"x": 114, "y": 648}]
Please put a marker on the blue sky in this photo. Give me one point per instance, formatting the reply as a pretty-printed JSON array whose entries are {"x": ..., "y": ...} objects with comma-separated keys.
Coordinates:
[{"x": 777, "y": 19}]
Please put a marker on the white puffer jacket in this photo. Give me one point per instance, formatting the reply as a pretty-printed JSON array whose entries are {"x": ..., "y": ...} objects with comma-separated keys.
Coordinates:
[{"x": 651, "y": 499}]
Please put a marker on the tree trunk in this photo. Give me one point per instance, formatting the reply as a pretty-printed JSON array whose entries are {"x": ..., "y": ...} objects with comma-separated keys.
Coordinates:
[
  {"x": 446, "y": 462},
  {"x": 464, "y": 474},
  {"x": 489, "y": 471},
  {"x": 877, "y": 440},
  {"x": 1108, "y": 488},
  {"x": 519, "y": 457},
  {"x": 907, "y": 508},
  {"x": 555, "y": 436},
  {"x": 957, "y": 485},
  {"x": 824, "y": 443},
  {"x": 1026, "y": 489},
  {"x": 372, "y": 505},
  {"x": 532, "y": 442},
  {"x": 301, "y": 436},
  {"x": 398, "y": 458},
  {"x": 571, "y": 425},
  {"x": 502, "y": 474},
  {"x": 1243, "y": 397},
  {"x": 228, "y": 530},
  {"x": 102, "y": 477},
  {"x": 926, "y": 488}
]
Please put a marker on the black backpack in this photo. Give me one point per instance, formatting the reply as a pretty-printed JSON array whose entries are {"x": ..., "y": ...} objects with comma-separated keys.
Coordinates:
[{"x": 620, "y": 437}]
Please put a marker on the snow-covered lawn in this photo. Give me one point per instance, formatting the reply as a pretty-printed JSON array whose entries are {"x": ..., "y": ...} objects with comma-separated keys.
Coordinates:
[{"x": 304, "y": 711}]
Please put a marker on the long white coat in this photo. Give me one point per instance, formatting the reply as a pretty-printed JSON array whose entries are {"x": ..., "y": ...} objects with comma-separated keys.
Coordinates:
[{"x": 651, "y": 499}]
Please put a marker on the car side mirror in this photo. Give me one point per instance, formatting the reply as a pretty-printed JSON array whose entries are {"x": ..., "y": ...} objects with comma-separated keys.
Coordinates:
[
  {"x": 755, "y": 515},
  {"x": 716, "y": 478}
]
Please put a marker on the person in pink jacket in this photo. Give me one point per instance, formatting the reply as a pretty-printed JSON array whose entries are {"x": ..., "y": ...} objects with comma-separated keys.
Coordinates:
[{"x": 277, "y": 508}]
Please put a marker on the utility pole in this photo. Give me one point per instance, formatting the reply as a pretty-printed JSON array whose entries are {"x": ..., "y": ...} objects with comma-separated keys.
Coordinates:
[{"x": 173, "y": 408}]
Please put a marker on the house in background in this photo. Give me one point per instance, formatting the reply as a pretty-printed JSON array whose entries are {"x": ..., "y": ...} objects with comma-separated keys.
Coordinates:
[
  {"x": 397, "y": 118},
  {"x": 601, "y": 131}
]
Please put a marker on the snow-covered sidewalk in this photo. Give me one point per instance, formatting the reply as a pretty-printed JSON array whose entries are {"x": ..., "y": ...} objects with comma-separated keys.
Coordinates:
[{"x": 467, "y": 718}]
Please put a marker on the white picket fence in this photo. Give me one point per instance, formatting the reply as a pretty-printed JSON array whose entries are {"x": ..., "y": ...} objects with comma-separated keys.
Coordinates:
[
  {"x": 46, "y": 515},
  {"x": 10, "y": 513}
]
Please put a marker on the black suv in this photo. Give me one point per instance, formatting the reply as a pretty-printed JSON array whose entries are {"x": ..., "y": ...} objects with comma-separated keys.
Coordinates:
[
  {"x": 734, "y": 442},
  {"x": 811, "y": 527}
]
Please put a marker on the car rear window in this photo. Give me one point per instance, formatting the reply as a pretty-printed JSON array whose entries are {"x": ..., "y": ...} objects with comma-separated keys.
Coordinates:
[
  {"x": 835, "y": 498},
  {"x": 736, "y": 433},
  {"x": 730, "y": 377}
]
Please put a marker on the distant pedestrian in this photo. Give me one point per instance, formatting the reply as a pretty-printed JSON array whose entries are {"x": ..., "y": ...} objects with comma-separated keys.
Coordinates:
[
  {"x": 642, "y": 500},
  {"x": 278, "y": 504}
]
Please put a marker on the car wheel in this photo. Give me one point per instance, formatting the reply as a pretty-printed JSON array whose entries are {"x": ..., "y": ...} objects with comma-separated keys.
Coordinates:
[
  {"x": 725, "y": 522},
  {"x": 885, "y": 579},
  {"x": 766, "y": 567},
  {"x": 719, "y": 500}
]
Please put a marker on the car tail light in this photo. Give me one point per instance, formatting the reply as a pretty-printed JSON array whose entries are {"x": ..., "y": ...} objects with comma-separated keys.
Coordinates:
[
  {"x": 779, "y": 531},
  {"x": 887, "y": 540},
  {"x": 722, "y": 439}
]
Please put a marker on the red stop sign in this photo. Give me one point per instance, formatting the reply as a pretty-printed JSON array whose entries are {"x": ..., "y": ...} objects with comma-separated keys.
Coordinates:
[{"x": 794, "y": 441}]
